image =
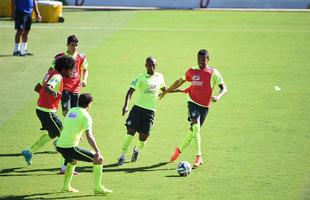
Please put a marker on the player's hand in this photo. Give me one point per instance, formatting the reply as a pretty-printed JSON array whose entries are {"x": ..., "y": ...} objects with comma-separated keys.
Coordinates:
[
  {"x": 124, "y": 110},
  {"x": 98, "y": 158},
  {"x": 84, "y": 83},
  {"x": 214, "y": 98},
  {"x": 161, "y": 95},
  {"x": 54, "y": 94},
  {"x": 39, "y": 18}
]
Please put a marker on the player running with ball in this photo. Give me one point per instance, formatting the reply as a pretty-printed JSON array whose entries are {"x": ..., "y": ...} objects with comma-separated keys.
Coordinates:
[{"x": 203, "y": 79}]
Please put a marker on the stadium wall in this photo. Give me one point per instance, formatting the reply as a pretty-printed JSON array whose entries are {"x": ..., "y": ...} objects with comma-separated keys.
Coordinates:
[{"x": 188, "y": 4}]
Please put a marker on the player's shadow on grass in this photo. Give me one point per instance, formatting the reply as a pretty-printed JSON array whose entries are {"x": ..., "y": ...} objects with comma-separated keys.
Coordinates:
[
  {"x": 26, "y": 172},
  {"x": 39, "y": 196},
  {"x": 11, "y": 197},
  {"x": 115, "y": 168},
  {"x": 19, "y": 154},
  {"x": 20, "y": 171},
  {"x": 6, "y": 55}
]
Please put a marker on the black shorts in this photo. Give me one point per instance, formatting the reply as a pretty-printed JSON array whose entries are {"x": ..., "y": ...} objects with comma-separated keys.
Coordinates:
[
  {"x": 76, "y": 153},
  {"x": 140, "y": 119},
  {"x": 23, "y": 20},
  {"x": 197, "y": 112},
  {"x": 50, "y": 122},
  {"x": 69, "y": 100}
]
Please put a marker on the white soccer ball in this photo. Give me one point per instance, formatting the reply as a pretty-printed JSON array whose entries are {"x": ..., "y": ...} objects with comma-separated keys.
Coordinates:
[{"x": 184, "y": 168}]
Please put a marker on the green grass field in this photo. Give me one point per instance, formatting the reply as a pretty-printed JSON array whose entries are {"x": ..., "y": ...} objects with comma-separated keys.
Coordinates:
[{"x": 255, "y": 142}]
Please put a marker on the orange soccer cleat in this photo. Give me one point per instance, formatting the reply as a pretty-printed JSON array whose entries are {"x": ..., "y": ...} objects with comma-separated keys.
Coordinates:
[
  {"x": 198, "y": 161},
  {"x": 176, "y": 154}
]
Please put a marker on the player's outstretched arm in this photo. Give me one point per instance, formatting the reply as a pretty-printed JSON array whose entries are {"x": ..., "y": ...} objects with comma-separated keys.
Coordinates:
[
  {"x": 127, "y": 99},
  {"x": 172, "y": 88}
]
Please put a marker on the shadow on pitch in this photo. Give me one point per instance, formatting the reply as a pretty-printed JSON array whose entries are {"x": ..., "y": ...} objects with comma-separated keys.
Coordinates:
[
  {"x": 18, "y": 154},
  {"x": 20, "y": 171},
  {"x": 6, "y": 55},
  {"x": 115, "y": 168},
  {"x": 39, "y": 196}
]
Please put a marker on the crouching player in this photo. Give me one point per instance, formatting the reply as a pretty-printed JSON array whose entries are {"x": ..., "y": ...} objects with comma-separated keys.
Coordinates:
[{"x": 78, "y": 121}]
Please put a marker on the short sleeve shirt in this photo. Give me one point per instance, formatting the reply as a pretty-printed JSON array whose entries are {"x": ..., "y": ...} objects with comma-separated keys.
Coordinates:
[
  {"x": 77, "y": 121},
  {"x": 149, "y": 88}
]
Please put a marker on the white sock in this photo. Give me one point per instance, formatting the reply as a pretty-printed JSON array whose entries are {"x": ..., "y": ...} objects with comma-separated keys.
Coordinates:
[
  {"x": 17, "y": 47},
  {"x": 23, "y": 47}
]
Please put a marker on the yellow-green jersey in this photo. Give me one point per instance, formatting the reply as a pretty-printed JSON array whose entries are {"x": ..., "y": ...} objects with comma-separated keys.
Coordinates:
[
  {"x": 149, "y": 87},
  {"x": 77, "y": 121}
]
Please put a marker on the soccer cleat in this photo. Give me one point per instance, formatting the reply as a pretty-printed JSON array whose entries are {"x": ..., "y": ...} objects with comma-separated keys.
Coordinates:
[
  {"x": 135, "y": 154},
  {"x": 102, "y": 191},
  {"x": 26, "y": 53},
  {"x": 28, "y": 156},
  {"x": 121, "y": 161},
  {"x": 198, "y": 161},
  {"x": 70, "y": 189},
  {"x": 16, "y": 53},
  {"x": 176, "y": 154},
  {"x": 63, "y": 171}
]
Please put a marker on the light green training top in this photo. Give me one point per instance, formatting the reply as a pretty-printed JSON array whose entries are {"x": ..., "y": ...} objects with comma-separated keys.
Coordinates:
[
  {"x": 149, "y": 88},
  {"x": 77, "y": 121}
]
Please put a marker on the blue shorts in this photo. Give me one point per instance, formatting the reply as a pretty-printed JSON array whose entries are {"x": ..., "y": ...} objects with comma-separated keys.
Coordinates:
[
  {"x": 23, "y": 20},
  {"x": 197, "y": 112},
  {"x": 140, "y": 119}
]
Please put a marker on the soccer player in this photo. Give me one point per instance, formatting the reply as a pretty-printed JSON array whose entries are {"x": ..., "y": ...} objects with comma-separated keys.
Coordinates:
[
  {"x": 203, "y": 79},
  {"x": 22, "y": 14},
  {"x": 49, "y": 98},
  {"x": 73, "y": 84},
  {"x": 78, "y": 121},
  {"x": 78, "y": 79},
  {"x": 142, "y": 114}
]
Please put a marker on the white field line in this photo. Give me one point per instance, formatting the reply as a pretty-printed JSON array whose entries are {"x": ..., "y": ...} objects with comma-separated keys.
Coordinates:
[{"x": 60, "y": 27}]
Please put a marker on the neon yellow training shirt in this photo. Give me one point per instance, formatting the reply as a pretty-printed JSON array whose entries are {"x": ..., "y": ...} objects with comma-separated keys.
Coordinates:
[
  {"x": 149, "y": 87},
  {"x": 77, "y": 121}
]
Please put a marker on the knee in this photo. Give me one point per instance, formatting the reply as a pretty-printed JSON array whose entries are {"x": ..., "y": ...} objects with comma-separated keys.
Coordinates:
[
  {"x": 73, "y": 162},
  {"x": 143, "y": 136},
  {"x": 131, "y": 131},
  {"x": 98, "y": 161},
  {"x": 194, "y": 121}
]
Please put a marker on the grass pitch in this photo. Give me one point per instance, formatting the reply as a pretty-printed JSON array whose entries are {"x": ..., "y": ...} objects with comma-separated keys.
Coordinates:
[{"x": 255, "y": 142}]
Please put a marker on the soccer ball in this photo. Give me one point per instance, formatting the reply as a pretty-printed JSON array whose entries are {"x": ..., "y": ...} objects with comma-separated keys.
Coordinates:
[{"x": 184, "y": 168}]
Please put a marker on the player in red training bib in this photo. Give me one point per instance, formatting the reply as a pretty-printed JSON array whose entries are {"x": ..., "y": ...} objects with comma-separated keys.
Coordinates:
[
  {"x": 203, "y": 79},
  {"x": 72, "y": 85},
  {"x": 50, "y": 92}
]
